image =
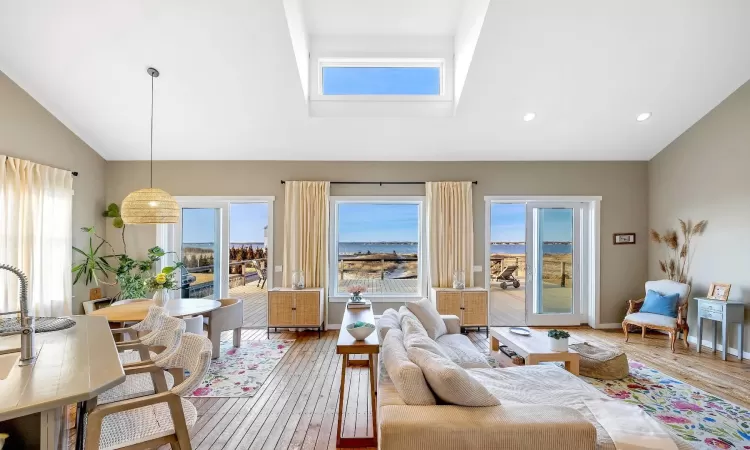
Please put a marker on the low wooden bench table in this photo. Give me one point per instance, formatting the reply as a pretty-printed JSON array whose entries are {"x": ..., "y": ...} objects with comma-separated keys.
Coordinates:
[
  {"x": 534, "y": 349},
  {"x": 346, "y": 346}
]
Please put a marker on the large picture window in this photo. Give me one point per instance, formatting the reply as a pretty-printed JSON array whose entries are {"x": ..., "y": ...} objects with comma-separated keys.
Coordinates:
[{"x": 377, "y": 243}]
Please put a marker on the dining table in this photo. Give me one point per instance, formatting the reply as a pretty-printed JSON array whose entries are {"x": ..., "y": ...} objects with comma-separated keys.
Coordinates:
[{"x": 177, "y": 307}]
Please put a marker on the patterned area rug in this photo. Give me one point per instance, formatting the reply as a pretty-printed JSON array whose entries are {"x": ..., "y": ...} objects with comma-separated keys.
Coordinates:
[
  {"x": 703, "y": 420},
  {"x": 240, "y": 372}
]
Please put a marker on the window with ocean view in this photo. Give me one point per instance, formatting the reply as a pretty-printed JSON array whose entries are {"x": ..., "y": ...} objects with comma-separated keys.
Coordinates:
[{"x": 377, "y": 245}]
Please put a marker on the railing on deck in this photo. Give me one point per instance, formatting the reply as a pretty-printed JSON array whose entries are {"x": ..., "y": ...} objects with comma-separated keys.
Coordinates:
[
  {"x": 205, "y": 289},
  {"x": 379, "y": 265}
]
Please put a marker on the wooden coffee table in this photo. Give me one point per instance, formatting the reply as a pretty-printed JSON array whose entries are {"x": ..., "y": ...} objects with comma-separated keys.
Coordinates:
[{"x": 534, "y": 349}]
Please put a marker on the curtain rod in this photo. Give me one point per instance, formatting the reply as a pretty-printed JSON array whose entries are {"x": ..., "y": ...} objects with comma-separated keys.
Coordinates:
[
  {"x": 74, "y": 173},
  {"x": 379, "y": 182}
]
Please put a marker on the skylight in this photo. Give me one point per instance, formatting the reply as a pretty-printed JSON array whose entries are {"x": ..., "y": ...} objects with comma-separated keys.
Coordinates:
[{"x": 381, "y": 77}]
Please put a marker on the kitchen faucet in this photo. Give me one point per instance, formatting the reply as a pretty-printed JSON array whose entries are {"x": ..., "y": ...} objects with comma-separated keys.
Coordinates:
[{"x": 27, "y": 322}]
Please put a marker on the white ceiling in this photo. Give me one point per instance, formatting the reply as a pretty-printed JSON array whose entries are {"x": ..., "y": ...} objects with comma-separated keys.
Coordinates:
[
  {"x": 374, "y": 17},
  {"x": 230, "y": 88}
]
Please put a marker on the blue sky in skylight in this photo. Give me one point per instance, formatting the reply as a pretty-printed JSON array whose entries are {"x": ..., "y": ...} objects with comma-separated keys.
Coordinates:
[{"x": 381, "y": 81}]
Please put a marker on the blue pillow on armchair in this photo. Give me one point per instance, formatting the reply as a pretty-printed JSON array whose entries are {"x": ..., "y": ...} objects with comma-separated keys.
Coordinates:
[{"x": 664, "y": 305}]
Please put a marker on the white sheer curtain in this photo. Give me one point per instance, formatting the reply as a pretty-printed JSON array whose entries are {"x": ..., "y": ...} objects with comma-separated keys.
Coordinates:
[
  {"x": 450, "y": 231},
  {"x": 36, "y": 208}
]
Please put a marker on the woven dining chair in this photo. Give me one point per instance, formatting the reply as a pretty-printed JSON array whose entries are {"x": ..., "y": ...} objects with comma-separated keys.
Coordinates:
[
  {"x": 159, "y": 419},
  {"x": 168, "y": 338},
  {"x": 150, "y": 322}
]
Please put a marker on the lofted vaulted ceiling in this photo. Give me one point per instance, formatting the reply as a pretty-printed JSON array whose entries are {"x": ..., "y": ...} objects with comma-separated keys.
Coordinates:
[{"x": 230, "y": 86}]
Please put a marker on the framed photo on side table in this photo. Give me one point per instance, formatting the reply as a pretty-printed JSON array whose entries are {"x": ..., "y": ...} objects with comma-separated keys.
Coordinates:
[
  {"x": 623, "y": 238},
  {"x": 719, "y": 291}
]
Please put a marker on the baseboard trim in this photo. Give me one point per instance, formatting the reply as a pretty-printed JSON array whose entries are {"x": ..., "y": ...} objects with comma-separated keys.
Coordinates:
[
  {"x": 730, "y": 350},
  {"x": 333, "y": 326},
  {"x": 609, "y": 326}
]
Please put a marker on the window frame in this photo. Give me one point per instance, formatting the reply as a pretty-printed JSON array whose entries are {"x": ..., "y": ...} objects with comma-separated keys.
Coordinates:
[
  {"x": 323, "y": 62},
  {"x": 333, "y": 294}
]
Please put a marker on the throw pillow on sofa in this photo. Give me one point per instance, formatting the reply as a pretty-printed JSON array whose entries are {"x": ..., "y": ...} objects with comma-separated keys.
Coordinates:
[
  {"x": 416, "y": 336},
  {"x": 664, "y": 305},
  {"x": 406, "y": 376},
  {"x": 449, "y": 381},
  {"x": 429, "y": 316},
  {"x": 388, "y": 321}
]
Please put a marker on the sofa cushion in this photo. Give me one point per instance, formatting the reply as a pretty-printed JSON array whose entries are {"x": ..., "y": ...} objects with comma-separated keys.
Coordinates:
[
  {"x": 404, "y": 312},
  {"x": 405, "y": 375},
  {"x": 652, "y": 319},
  {"x": 656, "y": 303},
  {"x": 429, "y": 316},
  {"x": 449, "y": 381},
  {"x": 461, "y": 351},
  {"x": 416, "y": 336},
  {"x": 388, "y": 321}
]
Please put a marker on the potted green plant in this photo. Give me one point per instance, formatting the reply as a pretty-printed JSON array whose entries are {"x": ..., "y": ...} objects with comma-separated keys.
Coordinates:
[{"x": 558, "y": 340}]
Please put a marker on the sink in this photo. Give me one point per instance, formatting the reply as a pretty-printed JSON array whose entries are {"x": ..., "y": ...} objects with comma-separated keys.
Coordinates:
[{"x": 7, "y": 362}]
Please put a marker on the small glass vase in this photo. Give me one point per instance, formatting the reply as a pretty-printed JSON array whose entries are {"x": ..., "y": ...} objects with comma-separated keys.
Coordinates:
[
  {"x": 459, "y": 280},
  {"x": 298, "y": 279},
  {"x": 161, "y": 298},
  {"x": 356, "y": 297}
]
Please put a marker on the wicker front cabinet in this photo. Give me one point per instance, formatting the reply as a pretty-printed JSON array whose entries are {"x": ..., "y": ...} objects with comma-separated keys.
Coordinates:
[
  {"x": 470, "y": 305},
  {"x": 289, "y": 308}
]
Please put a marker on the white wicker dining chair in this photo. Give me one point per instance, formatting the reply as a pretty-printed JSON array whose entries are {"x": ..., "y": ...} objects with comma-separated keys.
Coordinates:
[
  {"x": 168, "y": 338},
  {"x": 150, "y": 322},
  {"x": 154, "y": 420}
]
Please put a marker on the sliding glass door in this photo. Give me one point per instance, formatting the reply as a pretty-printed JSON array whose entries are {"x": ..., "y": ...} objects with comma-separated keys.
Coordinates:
[
  {"x": 225, "y": 245},
  {"x": 553, "y": 256},
  {"x": 537, "y": 259},
  {"x": 200, "y": 245}
]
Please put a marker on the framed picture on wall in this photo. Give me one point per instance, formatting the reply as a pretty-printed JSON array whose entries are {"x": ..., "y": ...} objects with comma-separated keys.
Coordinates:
[
  {"x": 719, "y": 291},
  {"x": 623, "y": 238}
]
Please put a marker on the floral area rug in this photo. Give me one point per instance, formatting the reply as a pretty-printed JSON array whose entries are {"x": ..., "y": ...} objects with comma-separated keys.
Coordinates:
[
  {"x": 240, "y": 372},
  {"x": 703, "y": 420}
]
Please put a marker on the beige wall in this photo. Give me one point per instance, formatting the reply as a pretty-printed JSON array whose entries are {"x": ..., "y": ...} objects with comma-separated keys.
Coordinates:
[
  {"x": 703, "y": 174},
  {"x": 623, "y": 186},
  {"x": 29, "y": 131}
]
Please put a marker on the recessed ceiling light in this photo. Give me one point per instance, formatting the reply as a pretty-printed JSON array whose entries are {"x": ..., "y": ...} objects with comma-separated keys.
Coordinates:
[
  {"x": 529, "y": 117},
  {"x": 643, "y": 116}
]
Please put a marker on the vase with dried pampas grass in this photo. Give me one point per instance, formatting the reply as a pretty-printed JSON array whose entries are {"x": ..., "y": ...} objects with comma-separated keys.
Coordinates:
[{"x": 676, "y": 265}]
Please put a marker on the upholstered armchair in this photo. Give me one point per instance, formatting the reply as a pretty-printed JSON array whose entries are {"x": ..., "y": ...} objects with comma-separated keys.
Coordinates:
[
  {"x": 228, "y": 317},
  {"x": 671, "y": 325}
]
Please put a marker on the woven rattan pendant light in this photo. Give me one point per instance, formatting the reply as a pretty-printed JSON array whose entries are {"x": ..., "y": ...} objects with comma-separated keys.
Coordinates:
[{"x": 151, "y": 205}]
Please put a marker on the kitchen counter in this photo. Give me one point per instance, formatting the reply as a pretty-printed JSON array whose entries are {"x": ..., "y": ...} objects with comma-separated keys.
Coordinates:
[{"x": 72, "y": 365}]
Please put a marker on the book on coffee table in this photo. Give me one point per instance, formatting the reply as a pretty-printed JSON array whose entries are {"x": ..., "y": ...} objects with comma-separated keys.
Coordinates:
[{"x": 364, "y": 304}]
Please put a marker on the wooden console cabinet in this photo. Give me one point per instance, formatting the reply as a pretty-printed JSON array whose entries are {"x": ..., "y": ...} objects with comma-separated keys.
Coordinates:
[
  {"x": 290, "y": 308},
  {"x": 470, "y": 305}
]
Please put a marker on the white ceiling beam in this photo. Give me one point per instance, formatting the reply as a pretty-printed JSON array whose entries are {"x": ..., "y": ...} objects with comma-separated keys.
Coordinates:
[
  {"x": 300, "y": 42},
  {"x": 465, "y": 41}
]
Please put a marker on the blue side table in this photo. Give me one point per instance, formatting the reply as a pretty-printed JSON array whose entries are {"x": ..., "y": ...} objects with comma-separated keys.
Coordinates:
[{"x": 726, "y": 313}]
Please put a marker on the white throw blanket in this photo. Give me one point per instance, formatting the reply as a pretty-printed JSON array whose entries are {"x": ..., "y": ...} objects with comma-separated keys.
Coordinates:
[{"x": 629, "y": 427}]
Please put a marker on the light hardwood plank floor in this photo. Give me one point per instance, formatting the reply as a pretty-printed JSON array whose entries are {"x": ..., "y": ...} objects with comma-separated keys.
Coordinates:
[{"x": 296, "y": 406}]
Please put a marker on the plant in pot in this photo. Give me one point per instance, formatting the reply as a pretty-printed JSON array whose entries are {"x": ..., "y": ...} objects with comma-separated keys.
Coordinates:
[{"x": 558, "y": 340}]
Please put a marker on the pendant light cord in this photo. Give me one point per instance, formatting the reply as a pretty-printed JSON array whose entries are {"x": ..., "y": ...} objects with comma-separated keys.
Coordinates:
[{"x": 152, "y": 131}]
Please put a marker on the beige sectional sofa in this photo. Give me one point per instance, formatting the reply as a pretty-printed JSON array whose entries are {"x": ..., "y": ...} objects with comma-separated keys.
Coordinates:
[{"x": 541, "y": 407}]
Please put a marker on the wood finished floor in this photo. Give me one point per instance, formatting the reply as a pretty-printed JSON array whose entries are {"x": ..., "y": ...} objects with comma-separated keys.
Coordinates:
[{"x": 296, "y": 406}]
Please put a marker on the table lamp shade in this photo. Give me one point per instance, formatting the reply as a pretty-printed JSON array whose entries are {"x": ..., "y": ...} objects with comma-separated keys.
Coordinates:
[{"x": 149, "y": 206}]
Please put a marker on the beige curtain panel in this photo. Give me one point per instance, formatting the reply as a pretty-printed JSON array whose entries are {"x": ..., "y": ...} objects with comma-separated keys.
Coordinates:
[
  {"x": 36, "y": 235},
  {"x": 306, "y": 231},
  {"x": 450, "y": 231}
]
